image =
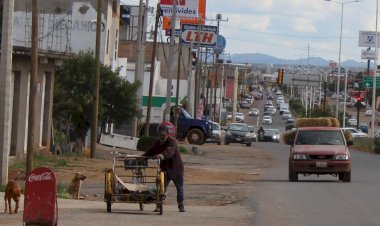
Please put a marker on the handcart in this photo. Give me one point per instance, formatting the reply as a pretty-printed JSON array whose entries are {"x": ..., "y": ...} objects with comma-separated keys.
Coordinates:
[{"x": 134, "y": 179}]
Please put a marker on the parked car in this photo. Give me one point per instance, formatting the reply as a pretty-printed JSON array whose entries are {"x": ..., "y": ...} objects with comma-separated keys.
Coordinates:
[
  {"x": 229, "y": 115},
  {"x": 244, "y": 104},
  {"x": 272, "y": 135},
  {"x": 352, "y": 122},
  {"x": 253, "y": 133},
  {"x": 319, "y": 150},
  {"x": 267, "y": 120},
  {"x": 368, "y": 113},
  {"x": 254, "y": 112},
  {"x": 216, "y": 136},
  {"x": 238, "y": 133},
  {"x": 354, "y": 132},
  {"x": 363, "y": 127},
  {"x": 239, "y": 117}
]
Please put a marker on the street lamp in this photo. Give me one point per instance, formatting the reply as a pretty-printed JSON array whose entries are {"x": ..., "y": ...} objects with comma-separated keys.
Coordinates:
[{"x": 340, "y": 52}]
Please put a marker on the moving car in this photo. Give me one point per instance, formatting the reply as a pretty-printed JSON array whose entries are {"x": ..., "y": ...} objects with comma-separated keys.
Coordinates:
[
  {"x": 239, "y": 117},
  {"x": 238, "y": 133},
  {"x": 286, "y": 115},
  {"x": 289, "y": 124},
  {"x": 272, "y": 135},
  {"x": 320, "y": 150},
  {"x": 354, "y": 132},
  {"x": 252, "y": 131},
  {"x": 254, "y": 112},
  {"x": 267, "y": 120}
]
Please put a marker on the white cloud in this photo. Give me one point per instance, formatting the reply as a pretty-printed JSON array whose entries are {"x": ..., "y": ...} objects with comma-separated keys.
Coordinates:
[{"x": 303, "y": 25}]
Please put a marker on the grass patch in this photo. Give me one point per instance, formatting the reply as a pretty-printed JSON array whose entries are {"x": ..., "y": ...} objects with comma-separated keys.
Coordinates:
[
  {"x": 43, "y": 160},
  {"x": 364, "y": 143},
  {"x": 62, "y": 191}
]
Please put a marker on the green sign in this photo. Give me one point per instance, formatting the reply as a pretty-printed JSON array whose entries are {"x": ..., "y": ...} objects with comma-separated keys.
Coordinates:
[{"x": 368, "y": 82}]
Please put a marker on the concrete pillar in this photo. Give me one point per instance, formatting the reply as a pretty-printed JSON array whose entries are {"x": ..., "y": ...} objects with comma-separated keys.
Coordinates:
[
  {"x": 48, "y": 111},
  {"x": 19, "y": 114},
  {"x": 39, "y": 106},
  {"x": 6, "y": 87}
]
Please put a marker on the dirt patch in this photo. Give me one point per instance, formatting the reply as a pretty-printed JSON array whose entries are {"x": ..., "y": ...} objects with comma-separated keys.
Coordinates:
[{"x": 216, "y": 178}]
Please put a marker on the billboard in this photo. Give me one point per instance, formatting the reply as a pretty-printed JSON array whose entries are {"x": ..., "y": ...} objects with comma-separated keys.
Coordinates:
[
  {"x": 185, "y": 8},
  {"x": 193, "y": 34},
  {"x": 200, "y": 20}
]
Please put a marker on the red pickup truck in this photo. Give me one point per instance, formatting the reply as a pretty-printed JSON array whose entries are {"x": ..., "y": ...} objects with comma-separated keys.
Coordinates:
[{"x": 320, "y": 150}]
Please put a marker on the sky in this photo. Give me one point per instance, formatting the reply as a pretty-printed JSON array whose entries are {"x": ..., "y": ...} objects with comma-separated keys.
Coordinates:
[
  {"x": 291, "y": 29},
  {"x": 285, "y": 28}
]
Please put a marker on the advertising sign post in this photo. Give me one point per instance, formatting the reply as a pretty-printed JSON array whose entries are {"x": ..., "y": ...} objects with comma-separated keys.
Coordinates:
[{"x": 40, "y": 204}]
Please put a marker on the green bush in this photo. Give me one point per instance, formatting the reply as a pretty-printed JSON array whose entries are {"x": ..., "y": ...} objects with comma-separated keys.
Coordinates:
[
  {"x": 183, "y": 150},
  {"x": 62, "y": 191},
  {"x": 145, "y": 143}
]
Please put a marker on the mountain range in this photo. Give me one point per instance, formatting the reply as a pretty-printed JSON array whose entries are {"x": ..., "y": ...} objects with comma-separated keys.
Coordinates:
[{"x": 259, "y": 58}]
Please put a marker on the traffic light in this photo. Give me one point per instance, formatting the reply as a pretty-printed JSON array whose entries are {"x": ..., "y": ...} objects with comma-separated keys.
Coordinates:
[
  {"x": 280, "y": 77},
  {"x": 358, "y": 103}
]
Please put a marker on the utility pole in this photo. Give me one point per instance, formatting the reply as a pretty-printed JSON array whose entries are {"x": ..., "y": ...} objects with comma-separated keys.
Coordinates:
[
  {"x": 375, "y": 75},
  {"x": 152, "y": 70},
  {"x": 31, "y": 144},
  {"x": 6, "y": 89},
  {"x": 234, "y": 101},
  {"x": 173, "y": 23},
  {"x": 176, "y": 109},
  {"x": 197, "y": 73},
  {"x": 190, "y": 81},
  {"x": 138, "y": 68},
  {"x": 95, "y": 103}
]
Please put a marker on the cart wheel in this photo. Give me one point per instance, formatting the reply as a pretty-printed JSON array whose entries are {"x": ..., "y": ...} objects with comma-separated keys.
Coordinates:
[
  {"x": 109, "y": 207},
  {"x": 141, "y": 206}
]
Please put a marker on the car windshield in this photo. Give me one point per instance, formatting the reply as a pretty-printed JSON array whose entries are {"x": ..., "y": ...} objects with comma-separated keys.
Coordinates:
[
  {"x": 239, "y": 114},
  {"x": 319, "y": 137},
  {"x": 238, "y": 127},
  {"x": 185, "y": 113},
  {"x": 267, "y": 117}
]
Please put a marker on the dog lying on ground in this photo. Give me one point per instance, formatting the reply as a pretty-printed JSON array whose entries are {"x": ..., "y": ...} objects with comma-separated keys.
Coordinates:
[
  {"x": 12, "y": 191},
  {"x": 76, "y": 184}
]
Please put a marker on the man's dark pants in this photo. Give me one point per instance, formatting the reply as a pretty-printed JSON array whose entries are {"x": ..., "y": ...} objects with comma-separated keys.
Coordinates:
[{"x": 178, "y": 182}]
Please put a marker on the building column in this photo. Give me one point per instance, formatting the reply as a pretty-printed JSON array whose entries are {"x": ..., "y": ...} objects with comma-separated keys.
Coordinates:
[
  {"x": 6, "y": 88},
  {"x": 39, "y": 106},
  {"x": 20, "y": 102},
  {"x": 48, "y": 110}
]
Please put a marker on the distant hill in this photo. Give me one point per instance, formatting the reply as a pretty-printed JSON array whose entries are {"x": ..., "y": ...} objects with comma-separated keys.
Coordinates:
[{"x": 259, "y": 58}]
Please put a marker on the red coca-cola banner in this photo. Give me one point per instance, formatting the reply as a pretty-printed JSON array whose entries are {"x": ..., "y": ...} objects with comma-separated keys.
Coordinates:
[{"x": 40, "y": 204}]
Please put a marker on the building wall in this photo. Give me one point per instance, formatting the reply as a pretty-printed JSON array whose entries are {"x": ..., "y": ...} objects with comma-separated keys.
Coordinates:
[{"x": 67, "y": 26}]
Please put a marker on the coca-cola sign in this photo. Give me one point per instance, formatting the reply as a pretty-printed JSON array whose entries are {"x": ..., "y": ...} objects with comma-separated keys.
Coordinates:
[{"x": 40, "y": 177}]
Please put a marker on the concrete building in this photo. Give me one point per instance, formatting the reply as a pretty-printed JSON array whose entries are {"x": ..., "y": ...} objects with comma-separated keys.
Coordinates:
[{"x": 65, "y": 28}]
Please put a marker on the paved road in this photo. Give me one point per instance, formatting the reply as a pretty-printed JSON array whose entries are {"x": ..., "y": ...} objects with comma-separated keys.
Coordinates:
[{"x": 316, "y": 200}]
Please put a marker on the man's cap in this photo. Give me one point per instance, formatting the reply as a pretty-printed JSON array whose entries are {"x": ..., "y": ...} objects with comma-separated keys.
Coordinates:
[{"x": 162, "y": 129}]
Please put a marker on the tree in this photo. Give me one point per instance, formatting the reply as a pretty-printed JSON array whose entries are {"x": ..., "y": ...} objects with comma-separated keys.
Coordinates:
[{"x": 73, "y": 96}]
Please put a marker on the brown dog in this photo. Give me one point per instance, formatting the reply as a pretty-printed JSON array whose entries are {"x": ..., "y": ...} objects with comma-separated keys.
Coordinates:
[
  {"x": 12, "y": 191},
  {"x": 76, "y": 184}
]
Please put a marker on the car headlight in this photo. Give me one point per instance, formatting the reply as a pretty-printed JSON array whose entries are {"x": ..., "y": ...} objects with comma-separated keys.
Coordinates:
[
  {"x": 299, "y": 156},
  {"x": 228, "y": 133},
  {"x": 342, "y": 157}
]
